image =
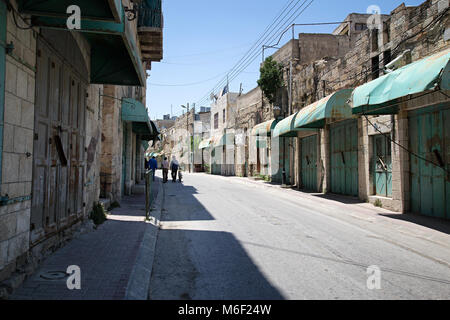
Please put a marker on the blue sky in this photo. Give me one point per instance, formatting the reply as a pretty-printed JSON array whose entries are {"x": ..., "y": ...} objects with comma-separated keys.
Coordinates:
[{"x": 204, "y": 39}]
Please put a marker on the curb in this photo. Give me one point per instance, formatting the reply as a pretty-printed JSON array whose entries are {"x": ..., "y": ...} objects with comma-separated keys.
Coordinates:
[{"x": 139, "y": 282}]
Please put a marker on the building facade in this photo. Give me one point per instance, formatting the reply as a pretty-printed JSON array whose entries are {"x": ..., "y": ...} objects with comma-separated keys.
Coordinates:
[{"x": 56, "y": 120}]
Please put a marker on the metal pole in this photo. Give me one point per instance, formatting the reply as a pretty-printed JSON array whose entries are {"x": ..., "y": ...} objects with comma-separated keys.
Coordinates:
[{"x": 189, "y": 134}]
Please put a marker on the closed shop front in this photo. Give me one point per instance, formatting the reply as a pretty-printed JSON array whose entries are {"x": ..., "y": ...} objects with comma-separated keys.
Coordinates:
[
  {"x": 59, "y": 137},
  {"x": 382, "y": 166},
  {"x": 309, "y": 163},
  {"x": 430, "y": 179},
  {"x": 344, "y": 157}
]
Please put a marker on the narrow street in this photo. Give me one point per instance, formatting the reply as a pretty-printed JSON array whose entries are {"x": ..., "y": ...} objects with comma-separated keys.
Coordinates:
[{"x": 232, "y": 238}]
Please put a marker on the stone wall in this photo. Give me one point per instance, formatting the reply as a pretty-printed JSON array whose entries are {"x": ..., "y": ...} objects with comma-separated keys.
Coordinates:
[{"x": 17, "y": 157}]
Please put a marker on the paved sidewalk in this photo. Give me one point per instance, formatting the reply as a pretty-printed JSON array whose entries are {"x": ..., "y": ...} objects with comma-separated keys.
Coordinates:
[{"x": 107, "y": 257}]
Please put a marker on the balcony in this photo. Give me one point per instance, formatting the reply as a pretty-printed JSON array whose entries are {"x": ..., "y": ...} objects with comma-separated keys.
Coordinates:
[{"x": 150, "y": 26}]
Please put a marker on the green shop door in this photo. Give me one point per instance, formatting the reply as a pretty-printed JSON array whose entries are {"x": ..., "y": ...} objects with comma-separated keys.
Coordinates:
[
  {"x": 382, "y": 166},
  {"x": 124, "y": 156},
  {"x": 309, "y": 163},
  {"x": 344, "y": 158},
  {"x": 430, "y": 139}
]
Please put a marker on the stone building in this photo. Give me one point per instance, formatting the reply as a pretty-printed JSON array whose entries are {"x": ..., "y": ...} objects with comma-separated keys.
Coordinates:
[
  {"x": 371, "y": 156},
  {"x": 321, "y": 145},
  {"x": 183, "y": 140},
  {"x": 223, "y": 129},
  {"x": 54, "y": 118}
]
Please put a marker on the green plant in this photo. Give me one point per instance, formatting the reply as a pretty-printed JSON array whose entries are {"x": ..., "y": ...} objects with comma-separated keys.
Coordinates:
[
  {"x": 98, "y": 214},
  {"x": 378, "y": 203},
  {"x": 271, "y": 78},
  {"x": 114, "y": 205}
]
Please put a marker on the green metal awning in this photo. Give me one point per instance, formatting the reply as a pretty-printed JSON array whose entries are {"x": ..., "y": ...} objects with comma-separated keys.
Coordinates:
[
  {"x": 115, "y": 57},
  {"x": 145, "y": 145},
  {"x": 334, "y": 107},
  {"x": 135, "y": 112},
  {"x": 264, "y": 129},
  {"x": 224, "y": 140},
  {"x": 107, "y": 10},
  {"x": 205, "y": 143},
  {"x": 381, "y": 96},
  {"x": 286, "y": 127}
]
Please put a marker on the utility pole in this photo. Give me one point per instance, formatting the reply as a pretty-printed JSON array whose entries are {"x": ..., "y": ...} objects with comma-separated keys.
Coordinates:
[{"x": 189, "y": 134}]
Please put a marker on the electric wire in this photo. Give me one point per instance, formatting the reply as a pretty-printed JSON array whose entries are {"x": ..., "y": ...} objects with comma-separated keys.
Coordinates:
[
  {"x": 400, "y": 145},
  {"x": 255, "y": 46},
  {"x": 249, "y": 58}
]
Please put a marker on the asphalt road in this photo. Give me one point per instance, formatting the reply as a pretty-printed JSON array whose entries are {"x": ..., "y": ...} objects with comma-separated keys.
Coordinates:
[{"x": 224, "y": 238}]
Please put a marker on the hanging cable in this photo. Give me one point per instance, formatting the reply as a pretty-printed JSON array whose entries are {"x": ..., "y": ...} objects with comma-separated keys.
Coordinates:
[{"x": 398, "y": 144}]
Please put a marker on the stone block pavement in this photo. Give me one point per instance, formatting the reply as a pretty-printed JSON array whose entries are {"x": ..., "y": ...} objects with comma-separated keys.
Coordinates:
[{"x": 113, "y": 259}]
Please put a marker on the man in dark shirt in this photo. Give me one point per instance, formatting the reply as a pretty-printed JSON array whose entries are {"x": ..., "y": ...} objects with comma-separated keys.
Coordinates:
[{"x": 153, "y": 166}]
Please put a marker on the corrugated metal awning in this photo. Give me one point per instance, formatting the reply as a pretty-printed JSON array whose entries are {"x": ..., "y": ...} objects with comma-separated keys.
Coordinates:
[
  {"x": 265, "y": 128},
  {"x": 381, "y": 95},
  {"x": 286, "y": 127},
  {"x": 135, "y": 112},
  {"x": 335, "y": 107}
]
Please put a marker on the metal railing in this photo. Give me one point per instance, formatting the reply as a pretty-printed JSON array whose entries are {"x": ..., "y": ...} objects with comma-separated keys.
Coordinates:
[{"x": 148, "y": 176}]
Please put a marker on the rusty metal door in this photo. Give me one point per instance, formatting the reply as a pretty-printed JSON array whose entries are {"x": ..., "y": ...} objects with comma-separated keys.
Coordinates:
[
  {"x": 430, "y": 140},
  {"x": 59, "y": 143}
]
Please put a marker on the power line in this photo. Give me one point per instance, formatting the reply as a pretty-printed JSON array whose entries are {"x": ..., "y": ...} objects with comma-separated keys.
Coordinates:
[
  {"x": 186, "y": 84},
  {"x": 254, "y": 52},
  {"x": 255, "y": 46}
]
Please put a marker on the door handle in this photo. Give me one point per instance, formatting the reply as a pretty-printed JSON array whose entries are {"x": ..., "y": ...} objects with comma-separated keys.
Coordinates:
[{"x": 343, "y": 157}]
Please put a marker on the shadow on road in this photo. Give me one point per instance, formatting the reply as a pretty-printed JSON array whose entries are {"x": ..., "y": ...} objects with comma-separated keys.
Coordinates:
[
  {"x": 195, "y": 262},
  {"x": 437, "y": 224},
  {"x": 206, "y": 265}
]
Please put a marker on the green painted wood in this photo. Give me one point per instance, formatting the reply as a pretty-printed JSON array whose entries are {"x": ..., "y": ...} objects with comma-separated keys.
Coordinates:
[
  {"x": 429, "y": 138},
  {"x": 382, "y": 166},
  {"x": 2, "y": 75},
  {"x": 309, "y": 163},
  {"x": 344, "y": 157},
  {"x": 115, "y": 57},
  {"x": 446, "y": 120},
  {"x": 93, "y": 10},
  {"x": 150, "y": 14}
]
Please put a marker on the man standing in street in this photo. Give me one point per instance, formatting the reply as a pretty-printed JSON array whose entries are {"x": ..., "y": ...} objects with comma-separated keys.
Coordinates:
[
  {"x": 165, "y": 168},
  {"x": 153, "y": 166},
  {"x": 174, "y": 165}
]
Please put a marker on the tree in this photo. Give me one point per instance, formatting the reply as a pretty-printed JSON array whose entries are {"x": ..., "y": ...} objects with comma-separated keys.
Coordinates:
[{"x": 271, "y": 79}]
